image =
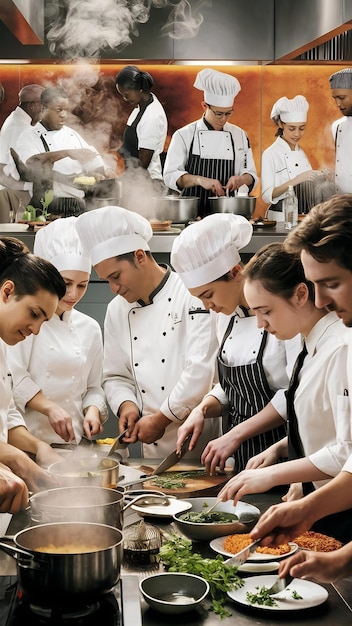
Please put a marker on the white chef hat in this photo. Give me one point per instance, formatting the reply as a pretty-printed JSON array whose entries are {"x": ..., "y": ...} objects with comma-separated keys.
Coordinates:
[
  {"x": 208, "y": 249},
  {"x": 58, "y": 242},
  {"x": 219, "y": 89},
  {"x": 341, "y": 79},
  {"x": 112, "y": 231},
  {"x": 294, "y": 110}
]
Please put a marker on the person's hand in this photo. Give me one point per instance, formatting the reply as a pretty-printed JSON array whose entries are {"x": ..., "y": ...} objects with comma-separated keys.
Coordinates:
[
  {"x": 324, "y": 567},
  {"x": 193, "y": 425},
  {"x": 211, "y": 184},
  {"x": 83, "y": 155},
  {"x": 295, "y": 492},
  {"x": 217, "y": 451},
  {"x": 61, "y": 422},
  {"x": 263, "y": 459},
  {"x": 307, "y": 176},
  {"x": 13, "y": 491},
  {"x": 128, "y": 417},
  {"x": 248, "y": 481},
  {"x": 35, "y": 477},
  {"x": 150, "y": 428},
  {"x": 46, "y": 455},
  {"x": 234, "y": 183},
  {"x": 283, "y": 522},
  {"x": 92, "y": 424}
]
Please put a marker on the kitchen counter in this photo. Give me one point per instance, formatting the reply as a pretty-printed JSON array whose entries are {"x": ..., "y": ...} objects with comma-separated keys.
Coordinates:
[{"x": 337, "y": 609}]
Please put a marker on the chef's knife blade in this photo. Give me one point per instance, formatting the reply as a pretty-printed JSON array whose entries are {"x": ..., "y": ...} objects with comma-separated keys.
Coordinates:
[
  {"x": 117, "y": 443},
  {"x": 242, "y": 556},
  {"x": 172, "y": 458}
]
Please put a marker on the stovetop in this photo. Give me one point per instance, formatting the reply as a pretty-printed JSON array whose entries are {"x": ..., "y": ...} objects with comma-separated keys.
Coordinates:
[{"x": 16, "y": 610}]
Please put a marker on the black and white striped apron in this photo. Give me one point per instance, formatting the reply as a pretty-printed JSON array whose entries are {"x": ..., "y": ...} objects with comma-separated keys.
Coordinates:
[
  {"x": 220, "y": 169},
  {"x": 248, "y": 392}
]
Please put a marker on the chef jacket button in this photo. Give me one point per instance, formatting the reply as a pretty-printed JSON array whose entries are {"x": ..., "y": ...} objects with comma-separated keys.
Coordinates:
[
  {"x": 78, "y": 351},
  {"x": 51, "y": 347},
  {"x": 164, "y": 333},
  {"x": 169, "y": 299},
  {"x": 163, "y": 360},
  {"x": 133, "y": 312},
  {"x": 134, "y": 338},
  {"x": 47, "y": 374},
  {"x": 136, "y": 364},
  {"x": 162, "y": 388},
  {"x": 143, "y": 390},
  {"x": 73, "y": 377}
]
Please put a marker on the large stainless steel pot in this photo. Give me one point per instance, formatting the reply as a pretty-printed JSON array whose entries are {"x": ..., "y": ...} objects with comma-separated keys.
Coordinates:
[
  {"x": 179, "y": 210},
  {"x": 67, "y": 578},
  {"x": 86, "y": 471},
  {"x": 238, "y": 205},
  {"x": 78, "y": 504}
]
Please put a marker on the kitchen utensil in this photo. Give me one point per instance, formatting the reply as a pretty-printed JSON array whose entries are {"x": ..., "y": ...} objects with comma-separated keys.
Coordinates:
[
  {"x": 101, "y": 472},
  {"x": 130, "y": 600},
  {"x": 174, "y": 592},
  {"x": 178, "y": 209},
  {"x": 280, "y": 584},
  {"x": 78, "y": 504},
  {"x": 117, "y": 443},
  {"x": 210, "y": 530},
  {"x": 241, "y": 557},
  {"x": 68, "y": 577},
  {"x": 148, "y": 501},
  {"x": 238, "y": 205}
]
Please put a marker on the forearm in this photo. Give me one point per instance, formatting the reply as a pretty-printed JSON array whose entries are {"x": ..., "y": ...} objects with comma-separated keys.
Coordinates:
[
  {"x": 333, "y": 497},
  {"x": 41, "y": 403},
  {"x": 47, "y": 158},
  {"x": 211, "y": 406},
  {"x": 21, "y": 438},
  {"x": 265, "y": 420},
  {"x": 295, "y": 471}
]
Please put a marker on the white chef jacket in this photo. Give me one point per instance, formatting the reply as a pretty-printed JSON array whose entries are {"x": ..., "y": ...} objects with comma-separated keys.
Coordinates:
[
  {"x": 151, "y": 133},
  {"x": 242, "y": 347},
  {"x": 13, "y": 126},
  {"x": 321, "y": 404},
  {"x": 180, "y": 145},
  {"x": 342, "y": 135},
  {"x": 64, "y": 361},
  {"x": 162, "y": 357},
  {"x": 280, "y": 164},
  {"x": 9, "y": 416},
  {"x": 29, "y": 144}
]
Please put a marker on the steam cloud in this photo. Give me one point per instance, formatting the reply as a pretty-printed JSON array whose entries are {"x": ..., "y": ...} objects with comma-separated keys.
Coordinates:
[{"x": 84, "y": 28}]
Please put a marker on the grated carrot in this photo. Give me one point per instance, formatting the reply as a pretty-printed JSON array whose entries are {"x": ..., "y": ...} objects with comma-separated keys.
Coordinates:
[{"x": 235, "y": 543}]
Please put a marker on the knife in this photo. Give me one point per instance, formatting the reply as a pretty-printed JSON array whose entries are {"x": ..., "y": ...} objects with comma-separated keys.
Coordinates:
[
  {"x": 117, "y": 443},
  {"x": 241, "y": 557}
]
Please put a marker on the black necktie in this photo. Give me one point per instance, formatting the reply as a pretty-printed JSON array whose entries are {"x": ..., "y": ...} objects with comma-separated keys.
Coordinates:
[{"x": 295, "y": 448}]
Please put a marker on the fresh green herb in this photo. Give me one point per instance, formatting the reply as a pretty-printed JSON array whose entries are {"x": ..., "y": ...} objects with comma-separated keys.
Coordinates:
[
  {"x": 176, "y": 480},
  {"x": 176, "y": 554},
  {"x": 296, "y": 595},
  {"x": 214, "y": 517},
  {"x": 262, "y": 597}
]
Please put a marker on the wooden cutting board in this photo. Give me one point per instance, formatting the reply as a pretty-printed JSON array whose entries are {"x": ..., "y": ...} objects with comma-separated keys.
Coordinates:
[{"x": 195, "y": 486}]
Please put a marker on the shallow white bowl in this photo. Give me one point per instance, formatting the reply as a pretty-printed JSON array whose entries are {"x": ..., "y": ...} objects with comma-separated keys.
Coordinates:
[
  {"x": 174, "y": 592},
  {"x": 13, "y": 228}
]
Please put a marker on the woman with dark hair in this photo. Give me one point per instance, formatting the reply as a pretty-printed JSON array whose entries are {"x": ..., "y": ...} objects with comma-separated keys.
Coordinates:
[
  {"x": 30, "y": 289},
  {"x": 318, "y": 407},
  {"x": 146, "y": 129}
]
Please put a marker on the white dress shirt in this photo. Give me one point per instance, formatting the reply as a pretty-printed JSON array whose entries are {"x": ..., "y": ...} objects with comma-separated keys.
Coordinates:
[
  {"x": 242, "y": 347},
  {"x": 151, "y": 133},
  {"x": 64, "y": 361},
  {"x": 161, "y": 357},
  {"x": 322, "y": 402},
  {"x": 180, "y": 145}
]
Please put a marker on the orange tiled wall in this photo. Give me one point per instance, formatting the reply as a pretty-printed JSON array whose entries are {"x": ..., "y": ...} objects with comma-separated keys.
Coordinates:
[{"x": 100, "y": 114}]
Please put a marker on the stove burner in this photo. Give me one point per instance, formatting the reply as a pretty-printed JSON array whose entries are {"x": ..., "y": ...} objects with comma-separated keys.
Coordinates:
[{"x": 65, "y": 613}]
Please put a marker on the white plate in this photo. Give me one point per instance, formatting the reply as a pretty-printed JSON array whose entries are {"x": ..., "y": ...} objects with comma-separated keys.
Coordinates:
[
  {"x": 311, "y": 593},
  {"x": 175, "y": 506},
  {"x": 13, "y": 228},
  {"x": 259, "y": 568},
  {"x": 218, "y": 546}
]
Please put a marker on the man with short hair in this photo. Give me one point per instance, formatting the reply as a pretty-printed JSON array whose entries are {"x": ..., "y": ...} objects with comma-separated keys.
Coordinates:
[
  {"x": 341, "y": 91},
  {"x": 27, "y": 113},
  {"x": 159, "y": 342},
  {"x": 56, "y": 154},
  {"x": 324, "y": 241}
]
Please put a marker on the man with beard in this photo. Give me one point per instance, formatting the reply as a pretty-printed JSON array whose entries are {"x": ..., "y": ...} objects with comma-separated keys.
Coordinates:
[
  {"x": 324, "y": 241},
  {"x": 341, "y": 91}
]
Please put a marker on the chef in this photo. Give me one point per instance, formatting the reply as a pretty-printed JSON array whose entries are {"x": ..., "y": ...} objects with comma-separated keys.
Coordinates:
[
  {"x": 253, "y": 366},
  {"x": 284, "y": 163},
  {"x": 57, "y": 374},
  {"x": 211, "y": 156},
  {"x": 159, "y": 342},
  {"x": 341, "y": 91}
]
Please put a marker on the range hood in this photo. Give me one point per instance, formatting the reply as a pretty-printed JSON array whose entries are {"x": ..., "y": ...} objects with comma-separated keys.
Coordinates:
[{"x": 25, "y": 20}]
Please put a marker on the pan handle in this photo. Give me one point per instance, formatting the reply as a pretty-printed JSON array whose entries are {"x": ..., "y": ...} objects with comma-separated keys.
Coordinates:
[{"x": 16, "y": 552}]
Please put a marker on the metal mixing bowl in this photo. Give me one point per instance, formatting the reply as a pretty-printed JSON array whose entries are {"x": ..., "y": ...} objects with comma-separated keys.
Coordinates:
[
  {"x": 238, "y": 205},
  {"x": 174, "y": 592},
  {"x": 247, "y": 517},
  {"x": 179, "y": 210}
]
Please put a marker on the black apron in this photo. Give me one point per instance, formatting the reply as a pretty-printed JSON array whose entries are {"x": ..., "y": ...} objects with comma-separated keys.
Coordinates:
[
  {"x": 248, "y": 392},
  {"x": 220, "y": 169},
  {"x": 129, "y": 149}
]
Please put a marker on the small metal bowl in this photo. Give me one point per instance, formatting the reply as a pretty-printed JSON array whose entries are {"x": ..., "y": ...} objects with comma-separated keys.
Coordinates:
[
  {"x": 247, "y": 517},
  {"x": 174, "y": 592},
  {"x": 238, "y": 205}
]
